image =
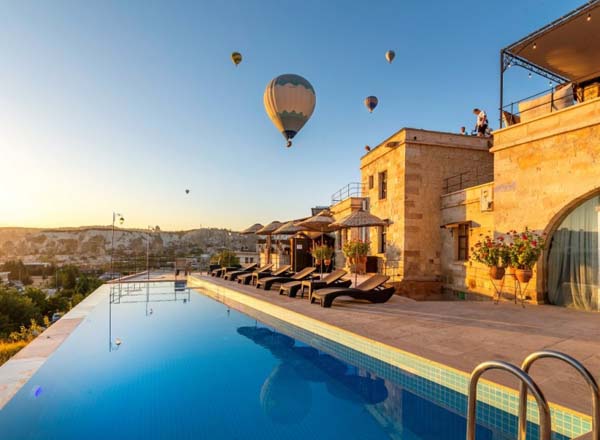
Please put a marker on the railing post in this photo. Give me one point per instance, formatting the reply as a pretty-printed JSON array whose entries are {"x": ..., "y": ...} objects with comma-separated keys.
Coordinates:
[
  {"x": 544, "y": 409},
  {"x": 589, "y": 378}
]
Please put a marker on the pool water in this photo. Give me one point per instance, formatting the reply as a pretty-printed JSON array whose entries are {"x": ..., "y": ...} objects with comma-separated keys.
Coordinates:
[{"x": 183, "y": 366}]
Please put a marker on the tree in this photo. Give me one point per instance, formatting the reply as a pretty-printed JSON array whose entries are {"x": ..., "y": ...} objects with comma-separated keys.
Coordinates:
[
  {"x": 67, "y": 276},
  {"x": 16, "y": 310},
  {"x": 18, "y": 271},
  {"x": 225, "y": 258}
]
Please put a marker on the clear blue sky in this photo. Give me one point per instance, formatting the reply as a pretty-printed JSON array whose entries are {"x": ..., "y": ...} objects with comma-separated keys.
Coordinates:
[{"x": 122, "y": 105}]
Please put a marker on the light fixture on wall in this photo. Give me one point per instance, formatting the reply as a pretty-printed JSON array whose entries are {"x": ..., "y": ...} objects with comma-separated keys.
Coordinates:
[
  {"x": 534, "y": 46},
  {"x": 589, "y": 17}
]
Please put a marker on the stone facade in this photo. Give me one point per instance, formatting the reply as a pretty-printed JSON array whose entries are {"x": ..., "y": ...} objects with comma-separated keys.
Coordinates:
[
  {"x": 416, "y": 163},
  {"x": 543, "y": 168},
  {"x": 465, "y": 276}
]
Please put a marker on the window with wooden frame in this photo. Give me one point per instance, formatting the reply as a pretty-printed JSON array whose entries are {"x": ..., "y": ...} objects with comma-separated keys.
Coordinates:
[
  {"x": 462, "y": 241},
  {"x": 382, "y": 182},
  {"x": 371, "y": 181}
]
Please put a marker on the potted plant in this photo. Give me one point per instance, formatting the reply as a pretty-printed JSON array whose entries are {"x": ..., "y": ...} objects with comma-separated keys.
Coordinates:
[
  {"x": 493, "y": 253},
  {"x": 317, "y": 254},
  {"x": 327, "y": 252},
  {"x": 524, "y": 251},
  {"x": 356, "y": 251}
]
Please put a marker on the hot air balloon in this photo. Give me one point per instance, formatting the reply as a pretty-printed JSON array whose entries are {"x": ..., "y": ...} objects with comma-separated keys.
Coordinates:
[
  {"x": 289, "y": 101},
  {"x": 236, "y": 57},
  {"x": 390, "y": 55},
  {"x": 371, "y": 102},
  {"x": 187, "y": 191}
]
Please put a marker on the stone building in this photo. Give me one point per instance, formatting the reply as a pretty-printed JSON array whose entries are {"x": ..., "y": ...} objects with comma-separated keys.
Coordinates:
[{"x": 440, "y": 192}]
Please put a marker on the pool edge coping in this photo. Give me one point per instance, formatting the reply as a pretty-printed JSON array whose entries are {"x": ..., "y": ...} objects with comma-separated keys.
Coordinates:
[{"x": 313, "y": 323}]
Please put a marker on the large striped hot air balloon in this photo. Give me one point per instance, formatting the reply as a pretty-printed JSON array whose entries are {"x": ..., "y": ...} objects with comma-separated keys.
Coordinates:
[
  {"x": 236, "y": 57},
  {"x": 390, "y": 55},
  {"x": 289, "y": 101},
  {"x": 371, "y": 102}
]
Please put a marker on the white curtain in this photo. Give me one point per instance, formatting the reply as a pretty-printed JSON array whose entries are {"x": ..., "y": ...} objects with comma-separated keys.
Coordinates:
[{"x": 573, "y": 269}]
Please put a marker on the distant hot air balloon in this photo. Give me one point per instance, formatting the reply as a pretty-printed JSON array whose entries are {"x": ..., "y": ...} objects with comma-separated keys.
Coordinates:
[
  {"x": 390, "y": 55},
  {"x": 371, "y": 103},
  {"x": 187, "y": 191},
  {"x": 289, "y": 101},
  {"x": 236, "y": 57}
]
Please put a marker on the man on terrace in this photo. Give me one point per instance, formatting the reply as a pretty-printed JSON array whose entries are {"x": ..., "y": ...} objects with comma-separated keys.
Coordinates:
[{"x": 482, "y": 122}]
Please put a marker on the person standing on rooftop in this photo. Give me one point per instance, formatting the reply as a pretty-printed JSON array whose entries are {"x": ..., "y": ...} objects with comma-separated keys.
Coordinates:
[{"x": 482, "y": 122}]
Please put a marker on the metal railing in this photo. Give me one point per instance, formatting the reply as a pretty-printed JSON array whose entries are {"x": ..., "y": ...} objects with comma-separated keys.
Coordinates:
[
  {"x": 528, "y": 384},
  {"x": 353, "y": 189},
  {"x": 552, "y": 104},
  {"x": 466, "y": 179},
  {"x": 584, "y": 372},
  {"x": 526, "y": 380}
]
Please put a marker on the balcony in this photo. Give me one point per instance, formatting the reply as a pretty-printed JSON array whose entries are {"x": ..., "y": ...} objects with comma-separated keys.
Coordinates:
[{"x": 353, "y": 189}]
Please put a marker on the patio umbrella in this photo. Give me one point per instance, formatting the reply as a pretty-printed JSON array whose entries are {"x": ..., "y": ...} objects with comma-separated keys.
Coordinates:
[
  {"x": 322, "y": 222},
  {"x": 290, "y": 228},
  {"x": 359, "y": 219},
  {"x": 268, "y": 231},
  {"x": 252, "y": 229}
]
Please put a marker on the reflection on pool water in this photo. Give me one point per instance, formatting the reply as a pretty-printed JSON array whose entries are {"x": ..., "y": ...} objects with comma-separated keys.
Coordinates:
[{"x": 191, "y": 368}]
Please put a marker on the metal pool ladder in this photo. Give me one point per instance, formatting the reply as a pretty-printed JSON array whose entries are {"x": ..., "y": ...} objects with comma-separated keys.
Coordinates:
[{"x": 528, "y": 384}]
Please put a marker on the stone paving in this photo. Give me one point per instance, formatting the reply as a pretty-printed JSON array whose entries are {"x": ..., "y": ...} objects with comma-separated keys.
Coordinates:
[{"x": 461, "y": 334}]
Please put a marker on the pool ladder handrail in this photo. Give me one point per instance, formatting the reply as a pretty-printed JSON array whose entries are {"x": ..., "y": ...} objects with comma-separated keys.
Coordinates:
[
  {"x": 526, "y": 381},
  {"x": 551, "y": 354}
]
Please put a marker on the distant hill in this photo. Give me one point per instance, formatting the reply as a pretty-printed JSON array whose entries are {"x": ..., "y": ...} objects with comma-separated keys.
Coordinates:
[{"x": 92, "y": 244}]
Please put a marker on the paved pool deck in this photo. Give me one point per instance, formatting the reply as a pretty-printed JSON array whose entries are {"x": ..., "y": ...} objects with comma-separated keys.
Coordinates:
[{"x": 462, "y": 334}]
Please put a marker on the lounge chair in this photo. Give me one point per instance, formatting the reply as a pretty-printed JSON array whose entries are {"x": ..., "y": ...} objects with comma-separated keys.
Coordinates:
[
  {"x": 267, "y": 282},
  {"x": 231, "y": 275},
  {"x": 333, "y": 279},
  {"x": 371, "y": 290},
  {"x": 220, "y": 271},
  {"x": 249, "y": 278}
]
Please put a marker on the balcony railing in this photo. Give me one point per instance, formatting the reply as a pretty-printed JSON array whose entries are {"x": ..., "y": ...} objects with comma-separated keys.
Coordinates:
[
  {"x": 548, "y": 101},
  {"x": 353, "y": 189},
  {"x": 474, "y": 177}
]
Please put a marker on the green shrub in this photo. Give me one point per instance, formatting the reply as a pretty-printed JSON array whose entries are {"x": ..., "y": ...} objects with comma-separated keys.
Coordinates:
[{"x": 9, "y": 349}]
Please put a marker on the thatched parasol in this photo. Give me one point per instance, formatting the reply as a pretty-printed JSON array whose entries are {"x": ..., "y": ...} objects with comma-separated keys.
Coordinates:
[
  {"x": 268, "y": 231},
  {"x": 252, "y": 229},
  {"x": 270, "y": 228},
  {"x": 322, "y": 222},
  {"x": 290, "y": 228},
  {"x": 359, "y": 219}
]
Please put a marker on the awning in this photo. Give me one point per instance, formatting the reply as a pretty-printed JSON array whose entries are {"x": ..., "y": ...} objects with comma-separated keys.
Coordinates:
[
  {"x": 568, "y": 47},
  {"x": 456, "y": 224}
]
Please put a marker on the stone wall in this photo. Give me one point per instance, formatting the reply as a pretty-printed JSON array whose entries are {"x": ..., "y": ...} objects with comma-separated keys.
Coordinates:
[
  {"x": 417, "y": 162},
  {"x": 461, "y": 206},
  {"x": 543, "y": 168}
]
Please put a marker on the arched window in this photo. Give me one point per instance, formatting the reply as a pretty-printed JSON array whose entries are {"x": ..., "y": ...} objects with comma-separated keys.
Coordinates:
[{"x": 573, "y": 263}]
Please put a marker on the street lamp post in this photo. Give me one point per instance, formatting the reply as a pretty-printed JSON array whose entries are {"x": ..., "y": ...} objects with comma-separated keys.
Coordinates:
[
  {"x": 121, "y": 219},
  {"x": 115, "y": 216}
]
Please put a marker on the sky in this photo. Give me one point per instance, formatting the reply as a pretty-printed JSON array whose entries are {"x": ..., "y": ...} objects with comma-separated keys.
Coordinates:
[{"x": 123, "y": 105}]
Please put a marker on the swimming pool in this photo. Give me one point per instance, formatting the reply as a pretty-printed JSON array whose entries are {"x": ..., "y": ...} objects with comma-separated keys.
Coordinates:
[{"x": 181, "y": 365}]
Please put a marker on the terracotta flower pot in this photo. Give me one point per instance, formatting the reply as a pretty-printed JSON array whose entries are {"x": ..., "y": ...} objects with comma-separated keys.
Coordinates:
[
  {"x": 496, "y": 272},
  {"x": 362, "y": 259},
  {"x": 327, "y": 262},
  {"x": 523, "y": 275},
  {"x": 317, "y": 262}
]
